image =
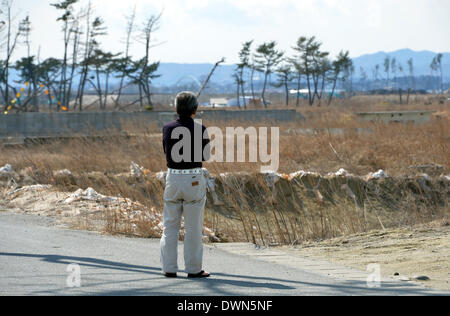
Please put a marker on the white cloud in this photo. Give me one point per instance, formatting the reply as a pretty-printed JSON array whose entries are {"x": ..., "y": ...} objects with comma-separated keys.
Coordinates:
[{"x": 209, "y": 29}]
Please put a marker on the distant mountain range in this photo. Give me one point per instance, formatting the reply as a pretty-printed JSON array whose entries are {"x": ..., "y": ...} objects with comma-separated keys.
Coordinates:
[
  {"x": 422, "y": 61},
  {"x": 173, "y": 73}
]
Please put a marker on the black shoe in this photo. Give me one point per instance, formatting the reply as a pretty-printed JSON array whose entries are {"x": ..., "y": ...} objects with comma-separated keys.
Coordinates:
[
  {"x": 170, "y": 275},
  {"x": 200, "y": 275}
]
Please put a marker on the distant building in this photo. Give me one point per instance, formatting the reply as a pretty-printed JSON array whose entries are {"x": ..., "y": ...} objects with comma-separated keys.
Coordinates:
[
  {"x": 304, "y": 93},
  {"x": 218, "y": 103},
  {"x": 232, "y": 103}
]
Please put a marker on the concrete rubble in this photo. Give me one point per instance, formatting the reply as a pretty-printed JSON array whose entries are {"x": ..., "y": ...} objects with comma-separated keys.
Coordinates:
[
  {"x": 6, "y": 171},
  {"x": 90, "y": 195},
  {"x": 380, "y": 174}
]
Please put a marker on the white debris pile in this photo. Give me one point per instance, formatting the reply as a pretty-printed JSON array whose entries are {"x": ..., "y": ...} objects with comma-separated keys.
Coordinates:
[
  {"x": 30, "y": 188},
  {"x": 90, "y": 195},
  {"x": 42, "y": 200},
  {"x": 301, "y": 173},
  {"x": 7, "y": 173},
  {"x": 62, "y": 173},
  {"x": 380, "y": 174},
  {"x": 341, "y": 173}
]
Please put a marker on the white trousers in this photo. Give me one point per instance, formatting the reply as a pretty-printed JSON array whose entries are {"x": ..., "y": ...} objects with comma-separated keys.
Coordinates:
[{"x": 184, "y": 194}]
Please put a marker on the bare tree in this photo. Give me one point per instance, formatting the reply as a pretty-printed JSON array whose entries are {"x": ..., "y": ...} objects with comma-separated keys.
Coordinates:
[
  {"x": 76, "y": 33},
  {"x": 363, "y": 77},
  {"x": 375, "y": 75},
  {"x": 25, "y": 30},
  {"x": 238, "y": 81},
  {"x": 387, "y": 67},
  {"x": 124, "y": 62},
  {"x": 394, "y": 71},
  {"x": 400, "y": 90},
  {"x": 10, "y": 42},
  {"x": 436, "y": 65},
  {"x": 88, "y": 49},
  {"x": 67, "y": 18},
  {"x": 412, "y": 81},
  {"x": 27, "y": 64},
  {"x": 94, "y": 30},
  {"x": 148, "y": 70}
]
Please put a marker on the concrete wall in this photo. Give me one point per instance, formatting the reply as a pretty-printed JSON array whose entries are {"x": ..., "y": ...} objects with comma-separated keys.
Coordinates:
[
  {"x": 91, "y": 124},
  {"x": 401, "y": 116}
]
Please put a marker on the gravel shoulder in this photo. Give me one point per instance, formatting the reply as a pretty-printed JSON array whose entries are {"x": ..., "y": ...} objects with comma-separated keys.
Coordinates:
[{"x": 401, "y": 253}]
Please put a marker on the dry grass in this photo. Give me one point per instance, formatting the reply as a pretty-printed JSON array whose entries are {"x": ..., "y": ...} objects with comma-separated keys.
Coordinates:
[
  {"x": 296, "y": 211},
  {"x": 312, "y": 207},
  {"x": 393, "y": 148}
]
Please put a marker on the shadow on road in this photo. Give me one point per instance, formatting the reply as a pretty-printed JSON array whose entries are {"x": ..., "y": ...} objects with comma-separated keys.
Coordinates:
[
  {"x": 124, "y": 267},
  {"x": 217, "y": 285}
]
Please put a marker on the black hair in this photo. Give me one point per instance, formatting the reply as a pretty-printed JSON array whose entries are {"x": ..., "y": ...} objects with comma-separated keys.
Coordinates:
[{"x": 186, "y": 104}]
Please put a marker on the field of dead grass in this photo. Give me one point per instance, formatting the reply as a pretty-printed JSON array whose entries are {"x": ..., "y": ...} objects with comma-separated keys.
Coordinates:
[
  {"x": 394, "y": 148},
  {"x": 287, "y": 211}
]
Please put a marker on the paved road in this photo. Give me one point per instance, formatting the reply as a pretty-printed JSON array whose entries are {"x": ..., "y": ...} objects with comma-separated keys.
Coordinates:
[{"x": 34, "y": 256}]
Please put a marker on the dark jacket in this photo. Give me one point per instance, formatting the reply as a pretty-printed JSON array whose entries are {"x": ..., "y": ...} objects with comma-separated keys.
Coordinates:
[{"x": 196, "y": 134}]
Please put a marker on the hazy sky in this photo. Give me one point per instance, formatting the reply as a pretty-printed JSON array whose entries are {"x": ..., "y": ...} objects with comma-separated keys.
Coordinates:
[{"x": 206, "y": 30}]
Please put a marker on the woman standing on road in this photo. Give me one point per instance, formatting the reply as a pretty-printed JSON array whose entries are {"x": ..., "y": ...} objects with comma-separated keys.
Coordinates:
[{"x": 186, "y": 145}]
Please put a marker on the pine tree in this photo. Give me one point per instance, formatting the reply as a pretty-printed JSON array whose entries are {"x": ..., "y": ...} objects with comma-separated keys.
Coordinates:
[{"x": 268, "y": 58}]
